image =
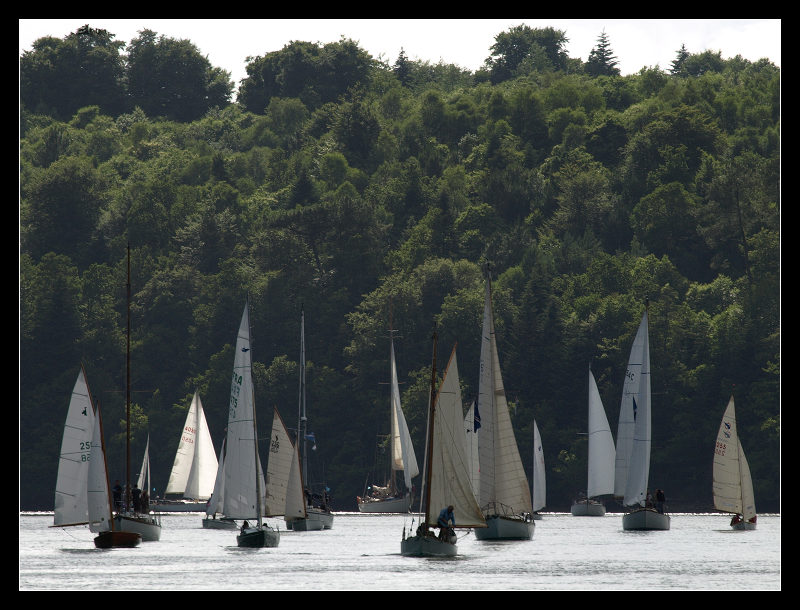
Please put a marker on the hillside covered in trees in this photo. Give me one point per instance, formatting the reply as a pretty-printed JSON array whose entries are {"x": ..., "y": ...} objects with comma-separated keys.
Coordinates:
[{"x": 359, "y": 190}]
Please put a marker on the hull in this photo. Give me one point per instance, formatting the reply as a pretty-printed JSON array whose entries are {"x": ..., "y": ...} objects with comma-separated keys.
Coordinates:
[
  {"x": 645, "y": 519},
  {"x": 315, "y": 520},
  {"x": 739, "y": 525},
  {"x": 179, "y": 506},
  {"x": 505, "y": 528},
  {"x": 591, "y": 509},
  {"x": 257, "y": 538},
  {"x": 219, "y": 524},
  {"x": 427, "y": 546},
  {"x": 113, "y": 539},
  {"x": 148, "y": 526},
  {"x": 536, "y": 516},
  {"x": 389, "y": 505}
]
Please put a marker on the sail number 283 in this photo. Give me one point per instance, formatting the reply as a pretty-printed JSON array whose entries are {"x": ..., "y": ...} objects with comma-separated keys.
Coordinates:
[{"x": 720, "y": 448}]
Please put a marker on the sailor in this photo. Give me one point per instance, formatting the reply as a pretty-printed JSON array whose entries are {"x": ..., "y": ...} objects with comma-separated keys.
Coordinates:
[{"x": 445, "y": 516}]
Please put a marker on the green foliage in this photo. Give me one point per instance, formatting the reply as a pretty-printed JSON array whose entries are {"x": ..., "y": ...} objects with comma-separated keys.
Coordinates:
[{"x": 371, "y": 196}]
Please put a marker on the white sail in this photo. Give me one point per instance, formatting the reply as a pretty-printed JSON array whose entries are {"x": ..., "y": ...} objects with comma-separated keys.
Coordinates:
[
  {"x": 195, "y": 465},
  {"x": 215, "y": 502},
  {"x": 503, "y": 479},
  {"x": 284, "y": 488},
  {"x": 450, "y": 482},
  {"x": 97, "y": 484},
  {"x": 403, "y": 457},
  {"x": 601, "y": 446},
  {"x": 70, "y": 506},
  {"x": 471, "y": 425},
  {"x": 639, "y": 468},
  {"x": 732, "y": 484},
  {"x": 630, "y": 401},
  {"x": 539, "y": 482},
  {"x": 241, "y": 488}
]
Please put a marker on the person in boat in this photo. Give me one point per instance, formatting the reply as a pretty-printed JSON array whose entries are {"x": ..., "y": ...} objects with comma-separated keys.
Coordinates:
[
  {"x": 136, "y": 494},
  {"x": 117, "y": 492},
  {"x": 245, "y": 525},
  {"x": 660, "y": 500},
  {"x": 446, "y": 516}
]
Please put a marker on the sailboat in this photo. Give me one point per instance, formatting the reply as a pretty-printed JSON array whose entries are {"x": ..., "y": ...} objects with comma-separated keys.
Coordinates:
[
  {"x": 504, "y": 494},
  {"x": 539, "y": 492},
  {"x": 71, "y": 506},
  {"x": 130, "y": 518},
  {"x": 284, "y": 495},
  {"x": 633, "y": 440},
  {"x": 472, "y": 422},
  {"x": 214, "y": 505},
  {"x": 110, "y": 535},
  {"x": 601, "y": 458},
  {"x": 387, "y": 498},
  {"x": 732, "y": 484},
  {"x": 244, "y": 482},
  {"x": 447, "y": 478},
  {"x": 195, "y": 467},
  {"x": 318, "y": 513}
]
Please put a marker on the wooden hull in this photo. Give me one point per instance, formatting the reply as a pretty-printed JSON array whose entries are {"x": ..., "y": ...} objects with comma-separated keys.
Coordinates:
[
  {"x": 219, "y": 524},
  {"x": 389, "y": 505},
  {"x": 506, "y": 528},
  {"x": 645, "y": 519},
  {"x": 257, "y": 538},
  {"x": 112, "y": 539},
  {"x": 428, "y": 546},
  {"x": 587, "y": 509},
  {"x": 148, "y": 526},
  {"x": 315, "y": 520}
]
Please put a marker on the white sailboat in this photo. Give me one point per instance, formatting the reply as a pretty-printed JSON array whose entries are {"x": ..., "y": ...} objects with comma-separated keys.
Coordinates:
[
  {"x": 71, "y": 506},
  {"x": 447, "y": 479},
  {"x": 732, "y": 484},
  {"x": 601, "y": 458},
  {"x": 633, "y": 440},
  {"x": 130, "y": 518},
  {"x": 504, "y": 494},
  {"x": 244, "y": 481},
  {"x": 214, "y": 505},
  {"x": 318, "y": 512},
  {"x": 539, "y": 477},
  {"x": 284, "y": 489},
  {"x": 388, "y": 498},
  {"x": 195, "y": 467}
]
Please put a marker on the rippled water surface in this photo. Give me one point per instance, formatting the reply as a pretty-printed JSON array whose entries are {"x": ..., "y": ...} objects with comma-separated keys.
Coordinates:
[{"x": 362, "y": 553}]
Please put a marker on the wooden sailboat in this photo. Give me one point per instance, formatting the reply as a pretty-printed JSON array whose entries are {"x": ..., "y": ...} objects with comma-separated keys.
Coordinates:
[
  {"x": 388, "y": 498},
  {"x": 244, "y": 482},
  {"x": 633, "y": 440},
  {"x": 601, "y": 458},
  {"x": 214, "y": 505},
  {"x": 539, "y": 492},
  {"x": 447, "y": 478},
  {"x": 504, "y": 494},
  {"x": 732, "y": 484},
  {"x": 318, "y": 512},
  {"x": 131, "y": 518},
  {"x": 191, "y": 481}
]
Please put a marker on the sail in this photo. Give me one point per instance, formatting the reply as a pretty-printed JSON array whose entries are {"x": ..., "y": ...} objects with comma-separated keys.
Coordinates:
[
  {"x": 471, "y": 425},
  {"x": 450, "y": 483},
  {"x": 215, "y": 502},
  {"x": 639, "y": 468},
  {"x": 403, "y": 457},
  {"x": 601, "y": 446},
  {"x": 143, "y": 481},
  {"x": 539, "y": 482},
  {"x": 241, "y": 495},
  {"x": 503, "y": 479},
  {"x": 97, "y": 496},
  {"x": 284, "y": 489},
  {"x": 195, "y": 466},
  {"x": 732, "y": 485},
  {"x": 625, "y": 426},
  {"x": 70, "y": 506}
]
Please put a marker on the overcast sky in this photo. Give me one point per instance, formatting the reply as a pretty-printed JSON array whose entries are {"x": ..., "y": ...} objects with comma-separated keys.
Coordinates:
[{"x": 636, "y": 43}]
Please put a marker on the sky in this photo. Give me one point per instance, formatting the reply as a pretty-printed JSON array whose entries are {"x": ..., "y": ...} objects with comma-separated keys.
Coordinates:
[{"x": 636, "y": 43}]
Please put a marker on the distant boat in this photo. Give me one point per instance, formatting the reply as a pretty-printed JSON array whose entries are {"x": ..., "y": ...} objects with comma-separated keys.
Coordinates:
[
  {"x": 214, "y": 505},
  {"x": 539, "y": 492},
  {"x": 195, "y": 467},
  {"x": 446, "y": 479},
  {"x": 388, "y": 498},
  {"x": 244, "y": 480},
  {"x": 284, "y": 490},
  {"x": 504, "y": 494},
  {"x": 732, "y": 484},
  {"x": 601, "y": 458},
  {"x": 633, "y": 440}
]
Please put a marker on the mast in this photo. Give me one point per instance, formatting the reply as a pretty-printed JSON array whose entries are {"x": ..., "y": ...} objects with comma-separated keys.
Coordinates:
[
  {"x": 259, "y": 509},
  {"x": 127, "y": 390},
  {"x": 302, "y": 421},
  {"x": 429, "y": 455},
  {"x": 392, "y": 484}
]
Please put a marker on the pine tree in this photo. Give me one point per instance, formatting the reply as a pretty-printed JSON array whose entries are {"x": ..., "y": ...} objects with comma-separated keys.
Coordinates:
[
  {"x": 602, "y": 60},
  {"x": 402, "y": 68},
  {"x": 677, "y": 64}
]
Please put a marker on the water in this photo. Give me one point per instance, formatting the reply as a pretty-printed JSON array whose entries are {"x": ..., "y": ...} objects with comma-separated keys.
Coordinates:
[{"x": 362, "y": 553}]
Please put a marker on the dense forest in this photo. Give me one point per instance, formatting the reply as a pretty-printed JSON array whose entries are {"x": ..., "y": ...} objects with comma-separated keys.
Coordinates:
[{"x": 371, "y": 193}]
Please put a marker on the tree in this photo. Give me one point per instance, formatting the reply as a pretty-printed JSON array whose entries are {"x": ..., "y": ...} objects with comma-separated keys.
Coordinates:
[
  {"x": 402, "y": 69},
  {"x": 545, "y": 46},
  {"x": 680, "y": 59},
  {"x": 601, "y": 59}
]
